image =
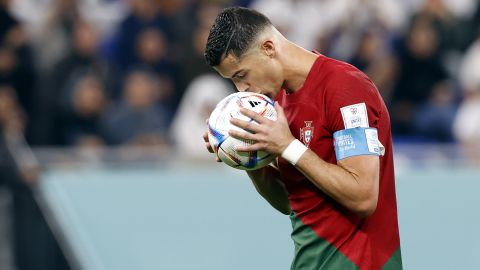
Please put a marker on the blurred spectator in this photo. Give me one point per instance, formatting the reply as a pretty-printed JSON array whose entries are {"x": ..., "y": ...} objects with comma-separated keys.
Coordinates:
[
  {"x": 34, "y": 247},
  {"x": 141, "y": 117},
  {"x": 13, "y": 123},
  {"x": 16, "y": 68},
  {"x": 81, "y": 60},
  {"x": 192, "y": 61},
  {"x": 307, "y": 28},
  {"x": 469, "y": 74},
  {"x": 143, "y": 14},
  {"x": 179, "y": 15},
  {"x": 12, "y": 118},
  {"x": 475, "y": 20},
  {"x": 419, "y": 70},
  {"x": 374, "y": 57},
  {"x": 434, "y": 119},
  {"x": 83, "y": 111},
  {"x": 308, "y": 21},
  {"x": 144, "y": 40},
  {"x": 103, "y": 14},
  {"x": 467, "y": 124},
  {"x": 369, "y": 48},
  {"x": 49, "y": 23},
  {"x": 151, "y": 52},
  {"x": 188, "y": 127},
  {"x": 441, "y": 18}
]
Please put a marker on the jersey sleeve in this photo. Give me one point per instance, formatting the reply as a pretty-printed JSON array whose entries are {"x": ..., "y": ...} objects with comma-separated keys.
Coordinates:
[{"x": 351, "y": 100}]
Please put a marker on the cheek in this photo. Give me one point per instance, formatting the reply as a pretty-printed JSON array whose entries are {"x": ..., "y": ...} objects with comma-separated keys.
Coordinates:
[
  {"x": 262, "y": 81},
  {"x": 273, "y": 79},
  {"x": 266, "y": 77}
]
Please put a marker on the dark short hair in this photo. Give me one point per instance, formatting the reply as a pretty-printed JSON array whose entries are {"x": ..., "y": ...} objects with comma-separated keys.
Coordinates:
[{"x": 233, "y": 31}]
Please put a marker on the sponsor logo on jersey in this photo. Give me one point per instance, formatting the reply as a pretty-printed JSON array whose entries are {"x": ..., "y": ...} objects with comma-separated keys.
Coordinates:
[{"x": 306, "y": 133}]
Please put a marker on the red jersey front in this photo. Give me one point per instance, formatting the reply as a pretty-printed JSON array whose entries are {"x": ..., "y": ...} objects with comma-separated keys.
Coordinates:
[{"x": 336, "y": 96}]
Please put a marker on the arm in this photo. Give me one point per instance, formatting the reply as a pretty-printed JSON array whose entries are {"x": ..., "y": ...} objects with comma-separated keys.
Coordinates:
[
  {"x": 267, "y": 182},
  {"x": 353, "y": 182}
]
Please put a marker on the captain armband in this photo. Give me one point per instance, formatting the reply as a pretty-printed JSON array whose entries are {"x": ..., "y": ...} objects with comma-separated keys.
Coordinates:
[{"x": 357, "y": 141}]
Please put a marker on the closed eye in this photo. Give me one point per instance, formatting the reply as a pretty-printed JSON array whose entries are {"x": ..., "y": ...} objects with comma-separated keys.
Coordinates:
[{"x": 241, "y": 75}]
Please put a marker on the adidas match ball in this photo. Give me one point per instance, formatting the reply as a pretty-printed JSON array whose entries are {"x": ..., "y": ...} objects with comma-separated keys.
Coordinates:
[{"x": 219, "y": 125}]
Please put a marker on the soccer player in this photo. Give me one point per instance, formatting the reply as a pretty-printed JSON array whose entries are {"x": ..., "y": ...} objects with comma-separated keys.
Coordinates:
[{"x": 334, "y": 172}]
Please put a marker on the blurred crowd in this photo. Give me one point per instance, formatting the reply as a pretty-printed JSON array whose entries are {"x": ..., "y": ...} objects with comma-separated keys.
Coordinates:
[
  {"x": 95, "y": 73},
  {"x": 131, "y": 72}
]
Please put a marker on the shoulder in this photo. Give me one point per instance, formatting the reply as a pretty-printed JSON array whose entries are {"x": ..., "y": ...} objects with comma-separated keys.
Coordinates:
[
  {"x": 345, "y": 83},
  {"x": 349, "y": 95},
  {"x": 341, "y": 75}
]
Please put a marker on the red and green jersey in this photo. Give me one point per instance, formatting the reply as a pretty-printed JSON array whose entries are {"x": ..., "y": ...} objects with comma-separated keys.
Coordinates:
[{"x": 336, "y": 96}]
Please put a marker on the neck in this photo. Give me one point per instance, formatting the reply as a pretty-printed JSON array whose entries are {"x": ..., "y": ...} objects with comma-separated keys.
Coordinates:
[{"x": 297, "y": 65}]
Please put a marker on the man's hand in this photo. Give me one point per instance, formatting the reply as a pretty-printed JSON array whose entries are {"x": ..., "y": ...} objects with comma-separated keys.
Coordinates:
[
  {"x": 208, "y": 146},
  {"x": 270, "y": 136}
]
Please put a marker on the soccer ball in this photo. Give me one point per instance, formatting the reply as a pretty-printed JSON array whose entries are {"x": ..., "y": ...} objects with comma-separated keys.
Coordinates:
[{"x": 219, "y": 125}]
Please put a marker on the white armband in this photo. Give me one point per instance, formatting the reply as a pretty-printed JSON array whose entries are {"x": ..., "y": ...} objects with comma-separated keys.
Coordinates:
[{"x": 294, "y": 151}]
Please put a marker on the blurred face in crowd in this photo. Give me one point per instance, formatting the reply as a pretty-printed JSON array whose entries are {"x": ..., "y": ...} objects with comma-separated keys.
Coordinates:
[
  {"x": 140, "y": 90},
  {"x": 151, "y": 45},
  {"x": 85, "y": 39},
  {"x": 422, "y": 39},
  {"x": 258, "y": 70},
  {"x": 370, "y": 45},
  {"x": 88, "y": 97}
]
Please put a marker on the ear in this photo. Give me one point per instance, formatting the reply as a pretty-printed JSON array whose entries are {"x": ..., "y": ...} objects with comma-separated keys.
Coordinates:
[{"x": 268, "y": 48}]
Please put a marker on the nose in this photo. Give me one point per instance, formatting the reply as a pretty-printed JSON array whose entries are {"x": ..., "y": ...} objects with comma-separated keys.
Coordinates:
[{"x": 241, "y": 86}]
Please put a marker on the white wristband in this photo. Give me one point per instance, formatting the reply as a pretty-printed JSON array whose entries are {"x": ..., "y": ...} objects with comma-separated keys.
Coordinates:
[{"x": 294, "y": 151}]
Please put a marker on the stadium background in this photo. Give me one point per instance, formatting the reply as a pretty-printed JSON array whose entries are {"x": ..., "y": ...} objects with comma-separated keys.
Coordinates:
[{"x": 103, "y": 104}]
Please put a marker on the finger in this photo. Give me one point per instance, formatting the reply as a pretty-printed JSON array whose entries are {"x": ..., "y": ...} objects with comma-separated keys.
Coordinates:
[
  {"x": 242, "y": 135},
  {"x": 209, "y": 147},
  {"x": 250, "y": 148},
  {"x": 205, "y": 136},
  {"x": 247, "y": 125},
  {"x": 255, "y": 116},
  {"x": 207, "y": 142}
]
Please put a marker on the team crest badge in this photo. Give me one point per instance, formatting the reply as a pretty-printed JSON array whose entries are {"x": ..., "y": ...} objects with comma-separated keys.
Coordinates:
[{"x": 306, "y": 133}]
